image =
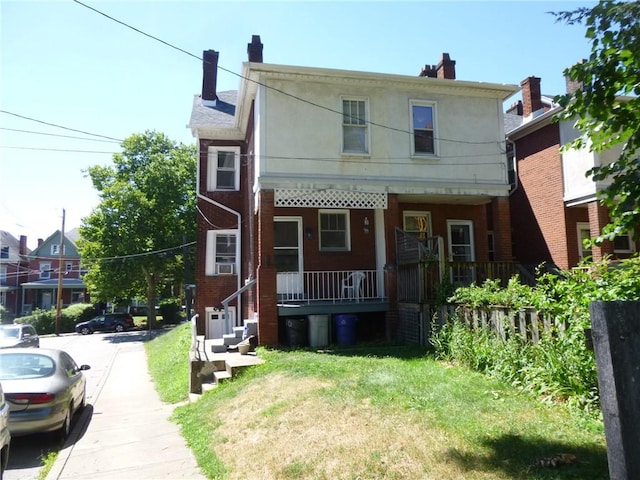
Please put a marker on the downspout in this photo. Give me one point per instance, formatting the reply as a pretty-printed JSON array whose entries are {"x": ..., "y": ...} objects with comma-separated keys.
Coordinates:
[
  {"x": 239, "y": 248},
  {"x": 515, "y": 166}
]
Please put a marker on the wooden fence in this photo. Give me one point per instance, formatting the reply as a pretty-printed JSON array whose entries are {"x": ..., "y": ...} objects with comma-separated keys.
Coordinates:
[{"x": 529, "y": 323}]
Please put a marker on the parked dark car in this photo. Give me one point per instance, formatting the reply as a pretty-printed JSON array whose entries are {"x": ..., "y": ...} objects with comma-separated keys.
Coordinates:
[
  {"x": 108, "y": 322},
  {"x": 18, "y": 335}
]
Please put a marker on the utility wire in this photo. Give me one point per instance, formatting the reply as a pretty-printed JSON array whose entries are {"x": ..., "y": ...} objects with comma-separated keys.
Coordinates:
[
  {"x": 58, "y": 135},
  {"x": 57, "y": 150},
  {"x": 290, "y": 95},
  {"x": 59, "y": 126}
]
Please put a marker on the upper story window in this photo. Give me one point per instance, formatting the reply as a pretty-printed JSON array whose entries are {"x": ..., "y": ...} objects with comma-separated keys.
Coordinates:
[
  {"x": 3, "y": 273},
  {"x": 223, "y": 167},
  {"x": 222, "y": 252},
  {"x": 68, "y": 266},
  {"x": 334, "y": 230},
  {"x": 4, "y": 251},
  {"x": 355, "y": 127},
  {"x": 55, "y": 249},
  {"x": 423, "y": 128},
  {"x": 45, "y": 270}
]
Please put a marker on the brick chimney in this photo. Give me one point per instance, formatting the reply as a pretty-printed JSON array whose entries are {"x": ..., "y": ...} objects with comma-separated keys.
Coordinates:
[
  {"x": 23, "y": 245},
  {"x": 254, "y": 49},
  {"x": 446, "y": 68},
  {"x": 429, "y": 71},
  {"x": 515, "y": 108},
  {"x": 531, "y": 96},
  {"x": 209, "y": 75},
  {"x": 573, "y": 85}
]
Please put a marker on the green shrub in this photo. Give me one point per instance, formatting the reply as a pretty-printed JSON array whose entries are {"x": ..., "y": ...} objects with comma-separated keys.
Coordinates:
[
  {"x": 170, "y": 311},
  {"x": 44, "y": 321},
  {"x": 560, "y": 366}
]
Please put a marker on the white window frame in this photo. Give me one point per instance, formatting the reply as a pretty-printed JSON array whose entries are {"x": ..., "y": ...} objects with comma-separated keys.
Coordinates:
[
  {"x": 632, "y": 245},
  {"x": 212, "y": 168},
  {"x": 45, "y": 270},
  {"x": 68, "y": 267},
  {"x": 213, "y": 268},
  {"x": 3, "y": 273},
  {"x": 434, "y": 117},
  {"x": 416, "y": 213},
  {"x": 582, "y": 252},
  {"x": 347, "y": 232},
  {"x": 55, "y": 249},
  {"x": 365, "y": 126}
]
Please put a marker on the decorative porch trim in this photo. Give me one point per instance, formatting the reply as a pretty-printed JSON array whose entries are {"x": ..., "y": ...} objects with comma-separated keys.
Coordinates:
[{"x": 329, "y": 199}]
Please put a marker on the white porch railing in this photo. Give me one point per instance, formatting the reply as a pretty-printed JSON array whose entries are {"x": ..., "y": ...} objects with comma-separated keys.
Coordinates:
[{"x": 329, "y": 286}]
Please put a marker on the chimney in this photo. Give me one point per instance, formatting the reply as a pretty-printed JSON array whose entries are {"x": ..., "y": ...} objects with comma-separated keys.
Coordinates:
[
  {"x": 531, "y": 96},
  {"x": 254, "y": 49},
  {"x": 515, "y": 108},
  {"x": 23, "y": 245},
  {"x": 573, "y": 85},
  {"x": 429, "y": 71},
  {"x": 40, "y": 242},
  {"x": 209, "y": 75},
  {"x": 447, "y": 67}
]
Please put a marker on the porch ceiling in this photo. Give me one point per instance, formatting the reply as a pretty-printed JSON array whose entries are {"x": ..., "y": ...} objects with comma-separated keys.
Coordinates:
[
  {"x": 320, "y": 308},
  {"x": 445, "y": 199}
]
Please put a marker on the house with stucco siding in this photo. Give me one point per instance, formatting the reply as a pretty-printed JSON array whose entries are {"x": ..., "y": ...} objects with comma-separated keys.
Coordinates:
[{"x": 311, "y": 179}]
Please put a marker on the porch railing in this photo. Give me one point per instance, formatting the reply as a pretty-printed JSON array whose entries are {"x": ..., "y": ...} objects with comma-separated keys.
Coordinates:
[{"x": 329, "y": 286}]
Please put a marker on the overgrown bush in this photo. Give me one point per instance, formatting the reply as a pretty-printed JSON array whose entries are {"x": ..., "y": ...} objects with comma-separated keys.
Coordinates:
[
  {"x": 44, "y": 321},
  {"x": 560, "y": 366}
]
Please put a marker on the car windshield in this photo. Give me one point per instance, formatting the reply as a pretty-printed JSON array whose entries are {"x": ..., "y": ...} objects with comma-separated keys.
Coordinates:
[
  {"x": 15, "y": 366},
  {"x": 10, "y": 332}
]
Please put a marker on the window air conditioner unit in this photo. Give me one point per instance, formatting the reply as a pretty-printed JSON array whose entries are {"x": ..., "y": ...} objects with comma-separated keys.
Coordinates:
[{"x": 224, "y": 268}]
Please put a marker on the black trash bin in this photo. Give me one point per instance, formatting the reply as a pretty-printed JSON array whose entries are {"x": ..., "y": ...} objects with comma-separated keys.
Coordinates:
[{"x": 297, "y": 331}]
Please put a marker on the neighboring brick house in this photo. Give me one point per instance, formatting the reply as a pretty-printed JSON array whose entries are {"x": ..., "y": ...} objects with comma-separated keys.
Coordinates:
[
  {"x": 305, "y": 176},
  {"x": 554, "y": 205},
  {"x": 13, "y": 269},
  {"x": 45, "y": 266}
]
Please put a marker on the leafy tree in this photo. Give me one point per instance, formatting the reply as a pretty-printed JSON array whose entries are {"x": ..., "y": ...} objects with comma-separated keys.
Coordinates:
[
  {"x": 132, "y": 241},
  {"x": 607, "y": 107}
]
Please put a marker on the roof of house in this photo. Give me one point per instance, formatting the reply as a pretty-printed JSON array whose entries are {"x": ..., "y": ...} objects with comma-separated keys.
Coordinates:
[
  {"x": 222, "y": 114},
  {"x": 8, "y": 240}
]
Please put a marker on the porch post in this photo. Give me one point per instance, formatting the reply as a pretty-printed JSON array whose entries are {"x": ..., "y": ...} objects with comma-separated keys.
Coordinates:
[
  {"x": 502, "y": 229},
  {"x": 266, "y": 289},
  {"x": 381, "y": 250},
  {"x": 391, "y": 221},
  {"x": 598, "y": 218}
]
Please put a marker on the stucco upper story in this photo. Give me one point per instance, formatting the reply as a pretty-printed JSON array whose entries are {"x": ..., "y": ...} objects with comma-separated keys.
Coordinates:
[{"x": 298, "y": 128}]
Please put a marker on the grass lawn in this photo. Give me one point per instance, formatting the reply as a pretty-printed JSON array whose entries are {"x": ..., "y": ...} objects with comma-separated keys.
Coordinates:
[{"x": 374, "y": 412}]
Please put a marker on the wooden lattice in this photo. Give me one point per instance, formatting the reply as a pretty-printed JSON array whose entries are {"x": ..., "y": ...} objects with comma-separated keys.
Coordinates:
[{"x": 329, "y": 199}]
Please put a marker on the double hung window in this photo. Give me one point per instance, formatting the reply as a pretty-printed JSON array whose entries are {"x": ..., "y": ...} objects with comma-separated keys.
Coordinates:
[
  {"x": 222, "y": 252},
  {"x": 334, "y": 230},
  {"x": 423, "y": 128},
  {"x": 223, "y": 168},
  {"x": 355, "y": 127},
  {"x": 45, "y": 270}
]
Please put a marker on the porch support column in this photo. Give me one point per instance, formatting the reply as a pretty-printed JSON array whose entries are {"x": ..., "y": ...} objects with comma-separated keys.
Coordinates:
[
  {"x": 502, "y": 229},
  {"x": 391, "y": 221},
  {"x": 598, "y": 218},
  {"x": 381, "y": 249},
  {"x": 266, "y": 289}
]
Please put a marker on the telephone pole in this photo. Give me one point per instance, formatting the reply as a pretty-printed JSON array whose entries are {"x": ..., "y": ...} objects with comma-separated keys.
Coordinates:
[{"x": 60, "y": 275}]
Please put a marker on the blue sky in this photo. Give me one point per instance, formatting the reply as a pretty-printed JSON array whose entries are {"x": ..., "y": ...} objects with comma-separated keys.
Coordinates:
[{"x": 63, "y": 64}]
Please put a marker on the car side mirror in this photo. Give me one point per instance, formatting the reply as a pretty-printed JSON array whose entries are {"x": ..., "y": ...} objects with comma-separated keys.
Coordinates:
[{"x": 85, "y": 367}]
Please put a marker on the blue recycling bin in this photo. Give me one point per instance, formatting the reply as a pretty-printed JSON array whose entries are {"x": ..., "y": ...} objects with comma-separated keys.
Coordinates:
[{"x": 346, "y": 329}]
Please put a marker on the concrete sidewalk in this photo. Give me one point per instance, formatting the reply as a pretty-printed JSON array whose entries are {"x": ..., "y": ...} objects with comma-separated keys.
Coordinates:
[{"x": 125, "y": 431}]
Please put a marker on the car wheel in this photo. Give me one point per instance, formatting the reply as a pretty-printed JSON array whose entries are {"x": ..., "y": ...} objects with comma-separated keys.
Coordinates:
[
  {"x": 85, "y": 331},
  {"x": 64, "y": 431},
  {"x": 119, "y": 328}
]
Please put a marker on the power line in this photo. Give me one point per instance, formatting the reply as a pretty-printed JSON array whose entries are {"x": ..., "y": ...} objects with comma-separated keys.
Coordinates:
[
  {"x": 58, "y": 135},
  {"x": 59, "y": 126},
  {"x": 57, "y": 150},
  {"x": 290, "y": 95}
]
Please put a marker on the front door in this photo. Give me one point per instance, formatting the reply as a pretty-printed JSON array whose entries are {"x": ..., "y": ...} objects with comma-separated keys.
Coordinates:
[
  {"x": 46, "y": 300},
  {"x": 287, "y": 245},
  {"x": 461, "y": 250}
]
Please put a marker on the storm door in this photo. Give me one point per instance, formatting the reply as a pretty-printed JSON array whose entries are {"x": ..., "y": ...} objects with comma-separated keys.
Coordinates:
[
  {"x": 461, "y": 251},
  {"x": 287, "y": 246}
]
